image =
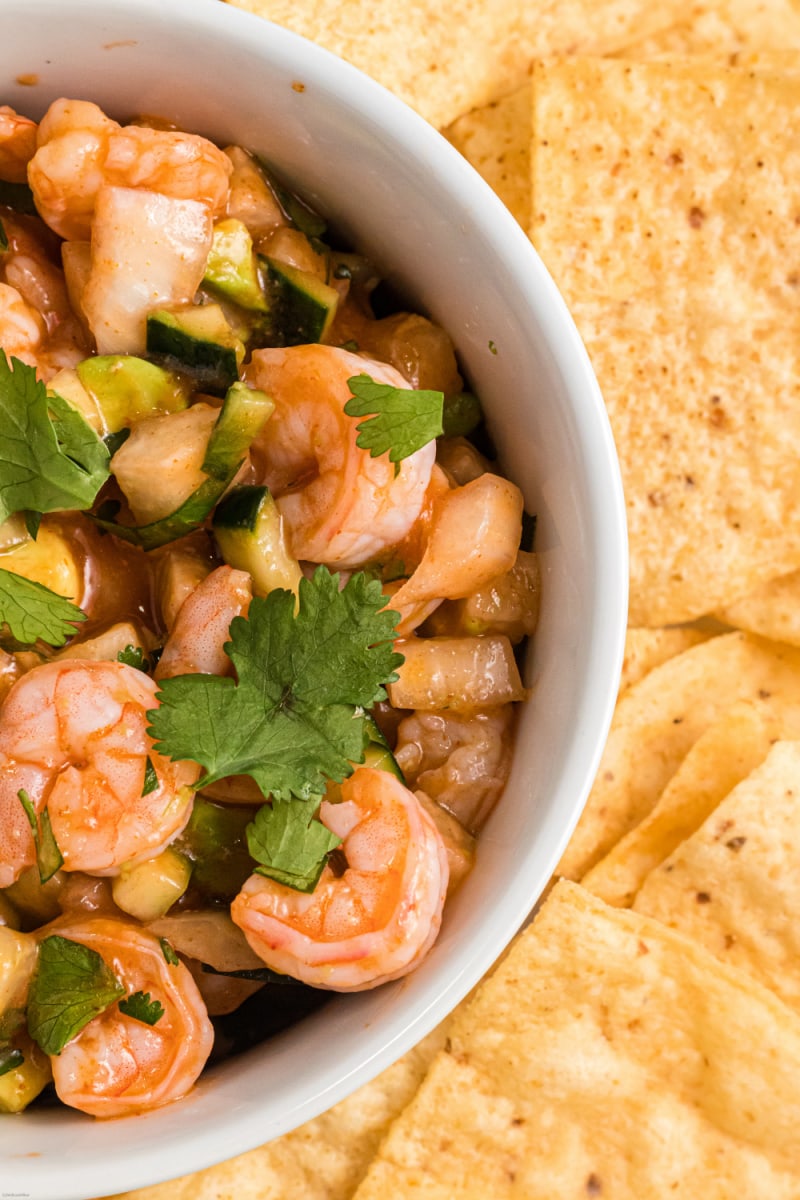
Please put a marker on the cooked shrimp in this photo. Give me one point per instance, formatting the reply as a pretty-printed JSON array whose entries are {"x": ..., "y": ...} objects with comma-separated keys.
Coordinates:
[
  {"x": 17, "y": 145},
  {"x": 341, "y": 506},
  {"x": 73, "y": 736},
  {"x": 196, "y": 642},
  {"x": 80, "y": 150},
  {"x": 22, "y": 330},
  {"x": 117, "y": 1065},
  {"x": 380, "y": 918}
]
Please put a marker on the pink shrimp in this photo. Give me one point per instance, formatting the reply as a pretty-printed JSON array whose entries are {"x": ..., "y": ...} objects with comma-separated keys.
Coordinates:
[
  {"x": 202, "y": 624},
  {"x": 341, "y": 506},
  {"x": 80, "y": 150},
  {"x": 380, "y": 918},
  {"x": 73, "y": 737},
  {"x": 22, "y": 330},
  {"x": 17, "y": 145},
  {"x": 117, "y": 1065}
]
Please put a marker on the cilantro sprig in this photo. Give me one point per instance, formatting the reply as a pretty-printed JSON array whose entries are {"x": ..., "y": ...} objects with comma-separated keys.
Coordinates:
[
  {"x": 399, "y": 421},
  {"x": 293, "y": 718},
  {"x": 140, "y": 1007},
  {"x": 48, "y": 855},
  {"x": 50, "y": 458},
  {"x": 290, "y": 845},
  {"x": 33, "y": 613},
  {"x": 71, "y": 985}
]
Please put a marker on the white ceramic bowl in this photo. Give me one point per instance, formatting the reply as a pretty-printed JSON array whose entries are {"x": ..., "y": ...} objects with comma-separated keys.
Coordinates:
[{"x": 404, "y": 196}]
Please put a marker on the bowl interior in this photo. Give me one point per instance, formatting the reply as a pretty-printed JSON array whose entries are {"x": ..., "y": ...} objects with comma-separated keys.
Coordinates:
[{"x": 401, "y": 194}]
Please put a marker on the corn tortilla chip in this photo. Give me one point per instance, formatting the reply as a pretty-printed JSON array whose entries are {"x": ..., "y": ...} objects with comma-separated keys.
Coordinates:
[
  {"x": 772, "y": 609},
  {"x": 656, "y": 723},
  {"x": 726, "y": 29},
  {"x": 497, "y": 141},
  {"x": 734, "y": 885},
  {"x": 444, "y": 60},
  {"x": 322, "y": 1160},
  {"x": 607, "y": 1056},
  {"x": 732, "y": 746},
  {"x": 666, "y": 211},
  {"x": 649, "y": 648}
]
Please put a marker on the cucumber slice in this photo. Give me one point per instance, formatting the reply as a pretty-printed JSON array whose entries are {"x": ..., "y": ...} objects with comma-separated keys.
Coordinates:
[
  {"x": 126, "y": 388},
  {"x": 249, "y": 532},
  {"x": 201, "y": 341},
  {"x": 231, "y": 267},
  {"x": 303, "y": 307},
  {"x": 377, "y": 752}
]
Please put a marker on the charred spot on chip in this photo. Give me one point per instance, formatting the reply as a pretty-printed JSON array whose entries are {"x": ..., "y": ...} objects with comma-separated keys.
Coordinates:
[
  {"x": 593, "y": 1185},
  {"x": 696, "y": 216},
  {"x": 703, "y": 898},
  {"x": 736, "y": 843}
]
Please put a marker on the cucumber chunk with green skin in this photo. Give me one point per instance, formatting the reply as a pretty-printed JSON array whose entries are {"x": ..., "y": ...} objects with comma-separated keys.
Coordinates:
[
  {"x": 126, "y": 388},
  {"x": 249, "y": 533},
  {"x": 231, "y": 268},
  {"x": 377, "y": 752},
  {"x": 244, "y": 412},
  {"x": 200, "y": 341},
  {"x": 302, "y": 306}
]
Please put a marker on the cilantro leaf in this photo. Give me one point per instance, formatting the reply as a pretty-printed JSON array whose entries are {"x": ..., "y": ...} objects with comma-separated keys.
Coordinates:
[
  {"x": 150, "y": 778},
  {"x": 168, "y": 950},
  {"x": 290, "y": 844},
  {"x": 70, "y": 986},
  {"x": 133, "y": 656},
  {"x": 48, "y": 855},
  {"x": 404, "y": 420},
  {"x": 294, "y": 717},
  {"x": 32, "y": 612},
  {"x": 50, "y": 459},
  {"x": 139, "y": 1006}
]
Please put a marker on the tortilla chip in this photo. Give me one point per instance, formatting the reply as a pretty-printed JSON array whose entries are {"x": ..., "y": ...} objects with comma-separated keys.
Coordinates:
[
  {"x": 733, "y": 746},
  {"x": 444, "y": 60},
  {"x": 649, "y": 648},
  {"x": 608, "y": 1056},
  {"x": 726, "y": 28},
  {"x": 772, "y": 609},
  {"x": 734, "y": 885},
  {"x": 497, "y": 141},
  {"x": 656, "y": 723},
  {"x": 665, "y": 208},
  {"x": 322, "y": 1160}
]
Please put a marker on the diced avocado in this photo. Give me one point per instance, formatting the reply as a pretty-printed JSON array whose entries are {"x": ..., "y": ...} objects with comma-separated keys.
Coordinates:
[
  {"x": 303, "y": 307},
  {"x": 126, "y": 388},
  {"x": 68, "y": 386},
  {"x": 249, "y": 532},
  {"x": 147, "y": 890},
  {"x": 201, "y": 341},
  {"x": 231, "y": 268}
]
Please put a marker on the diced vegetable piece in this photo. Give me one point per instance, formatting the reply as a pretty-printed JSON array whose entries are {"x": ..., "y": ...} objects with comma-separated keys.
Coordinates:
[
  {"x": 214, "y": 840},
  {"x": 22, "y": 1084},
  {"x": 456, "y": 673},
  {"x": 250, "y": 535},
  {"x": 148, "y": 250},
  {"x": 51, "y": 560},
  {"x": 13, "y": 532},
  {"x": 231, "y": 268},
  {"x": 378, "y": 752},
  {"x": 108, "y": 645},
  {"x": 303, "y": 307},
  {"x": 210, "y": 937},
  {"x": 461, "y": 414},
  {"x": 126, "y": 388},
  {"x": 68, "y": 386},
  {"x": 460, "y": 459},
  {"x": 250, "y": 198},
  {"x": 459, "y": 845},
  {"x": 244, "y": 412},
  {"x": 18, "y": 953},
  {"x": 36, "y": 902},
  {"x": 181, "y": 569},
  {"x": 508, "y": 604},
  {"x": 147, "y": 890},
  {"x": 161, "y": 464},
  {"x": 199, "y": 338}
]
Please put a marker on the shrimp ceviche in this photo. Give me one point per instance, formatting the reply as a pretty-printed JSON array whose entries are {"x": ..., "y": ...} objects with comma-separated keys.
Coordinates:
[{"x": 262, "y": 593}]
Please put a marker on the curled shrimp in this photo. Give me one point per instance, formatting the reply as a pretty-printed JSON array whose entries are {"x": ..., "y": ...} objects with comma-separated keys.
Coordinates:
[
  {"x": 375, "y": 922},
  {"x": 341, "y": 507},
  {"x": 195, "y": 645},
  {"x": 22, "y": 330},
  {"x": 117, "y": 1065},
  {"x": 17, "y": 145},
  {"x": 73, "y": 737},
  {"x": 80, "y": 150}
]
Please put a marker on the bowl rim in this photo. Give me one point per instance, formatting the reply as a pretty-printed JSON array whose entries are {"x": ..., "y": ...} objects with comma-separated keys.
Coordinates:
[{"x": 412, "y": 136}]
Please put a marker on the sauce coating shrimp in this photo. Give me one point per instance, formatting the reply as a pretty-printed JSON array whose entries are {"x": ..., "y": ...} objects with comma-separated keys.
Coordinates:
[
  {"x": 80, "y": 150},
  {"x": 17, "y": 145},
  {"x": 341, "y": 507},
  {"x": 380, "y": 918},
  {"x": 116, "y": 1065},
  {"x": 21, "y": 328},
  {"x": 195, "y": 645},
  {"x": 73, "y": 736}
]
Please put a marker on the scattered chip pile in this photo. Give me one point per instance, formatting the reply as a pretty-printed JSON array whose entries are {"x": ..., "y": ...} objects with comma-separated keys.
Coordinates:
[{"x": 642, "y": 1037}]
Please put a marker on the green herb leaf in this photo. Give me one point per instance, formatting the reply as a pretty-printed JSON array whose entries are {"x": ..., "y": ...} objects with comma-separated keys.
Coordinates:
[
  {"x": 294, "y": 716},
  {"x": 33, "y": 613},
  {"x": 290, "y": 844},
  {"x": 10, "y": 1059},
  {"x": 71, "y": 986},
  {"x": 150, "y": 778},
  {"x": 48, "y": 855},
  {"x": 32, "y": 522},
  {"x": 168, "y": 951},
  {"x": 139, "y": 1006},
  {"x": 11, "y": 1023},
  {"x": 462, "y": 414},
  {"x": 50, "y": 459},
  {"x": 133, "y": 656},
  {"x": 404, "y": 420}
]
